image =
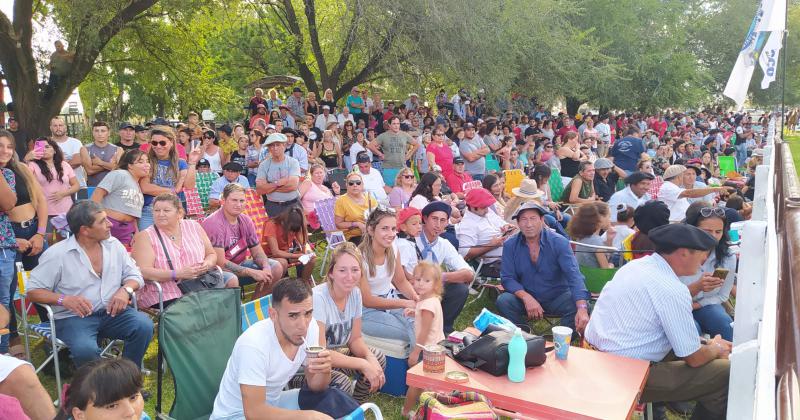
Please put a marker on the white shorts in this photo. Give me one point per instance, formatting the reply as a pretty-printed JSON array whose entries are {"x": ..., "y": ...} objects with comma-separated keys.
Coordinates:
[{"x": 8, "y": 364}]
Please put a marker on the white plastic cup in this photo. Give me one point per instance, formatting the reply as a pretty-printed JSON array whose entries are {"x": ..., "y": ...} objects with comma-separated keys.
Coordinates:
[{"x": 562, "y": 336}]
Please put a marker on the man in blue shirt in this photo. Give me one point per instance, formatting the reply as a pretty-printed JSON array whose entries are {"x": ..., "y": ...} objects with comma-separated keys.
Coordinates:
[
  {"x": 628, "y": 150},
  {"x": 540, "y": 274}
]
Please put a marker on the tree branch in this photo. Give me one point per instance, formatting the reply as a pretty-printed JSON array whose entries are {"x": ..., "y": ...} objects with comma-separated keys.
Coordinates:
[
  {"x": 347, "y": 48},
  {"x": 313, "y": 35}
]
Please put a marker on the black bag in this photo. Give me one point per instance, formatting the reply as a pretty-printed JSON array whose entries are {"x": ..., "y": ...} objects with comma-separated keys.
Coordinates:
[
  {"x": 212, "y": 279},
  {"x": 489, "y": 352}
]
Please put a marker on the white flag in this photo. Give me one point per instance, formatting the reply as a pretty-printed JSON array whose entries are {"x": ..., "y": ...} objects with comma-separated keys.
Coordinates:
[
  {"x": 774, "y": 16},
  {"x": 769, "y": 58},
  {"x": 742, "y": 72}
]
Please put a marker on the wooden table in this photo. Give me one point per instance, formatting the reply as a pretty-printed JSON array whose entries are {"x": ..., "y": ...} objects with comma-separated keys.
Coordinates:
[{"x": 588, "y": 385}]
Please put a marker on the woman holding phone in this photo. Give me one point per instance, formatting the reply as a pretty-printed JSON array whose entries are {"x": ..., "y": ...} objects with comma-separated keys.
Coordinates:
[{"x": 712, "y": 284}]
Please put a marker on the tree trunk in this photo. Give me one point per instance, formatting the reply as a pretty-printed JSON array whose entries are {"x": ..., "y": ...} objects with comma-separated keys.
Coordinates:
[{"x": 573, "y": 104}]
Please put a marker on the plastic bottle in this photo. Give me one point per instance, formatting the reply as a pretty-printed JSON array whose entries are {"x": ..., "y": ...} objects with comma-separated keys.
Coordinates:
[{"x": 517, "y": 349}]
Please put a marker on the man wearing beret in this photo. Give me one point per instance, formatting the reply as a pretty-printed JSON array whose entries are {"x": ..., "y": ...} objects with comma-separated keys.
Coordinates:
[
  {"x": 430, "y": 247},
  {"x": 645, "y": 312},
  {"x": 540, "y": 274},
  {"x": 634, "y": 195},
  {"x": 481, "y": 232}
]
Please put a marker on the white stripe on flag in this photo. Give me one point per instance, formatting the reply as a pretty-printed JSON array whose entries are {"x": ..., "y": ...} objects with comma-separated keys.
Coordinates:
[
  {"x": 774, "y": 18},
  {"x": 769, "y": 58}
]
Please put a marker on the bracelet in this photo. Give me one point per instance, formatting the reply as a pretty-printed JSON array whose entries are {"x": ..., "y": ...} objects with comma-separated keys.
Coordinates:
[
  {"x": 42, "y": 231},
  {"x": 60, "y": 301},
  {"x": 173, "y": 275},
  {"x": 583, "y": 306}
]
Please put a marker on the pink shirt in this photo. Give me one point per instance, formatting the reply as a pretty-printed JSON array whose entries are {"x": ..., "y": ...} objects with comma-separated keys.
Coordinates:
[
  {"x": 436, "y": 333},
  {"x": 314, "y": 194},
  {"x": 55, "y": 207},
  {"x": 192, "y": 251},
  {"x": 443, "y": 156}
]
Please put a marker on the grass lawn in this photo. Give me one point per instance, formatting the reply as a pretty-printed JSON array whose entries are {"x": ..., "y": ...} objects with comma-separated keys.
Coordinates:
[{"x": 794, "y": 145}]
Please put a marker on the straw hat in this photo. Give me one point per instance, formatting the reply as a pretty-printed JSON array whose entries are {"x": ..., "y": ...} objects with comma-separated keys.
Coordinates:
[
  {"x": 673, "y": 170},
  {"x": 527, "y": 189}
]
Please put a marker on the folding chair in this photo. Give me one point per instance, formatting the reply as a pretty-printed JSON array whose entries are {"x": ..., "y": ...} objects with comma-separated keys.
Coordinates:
[
  {"x": 333, "y": 236},
  {"x": 361, "y": 411},
  {"x": 726, "y": 164},
  {"x": 513, "y": 180},
  {"x": 596, "y": 278},
  {"x": 45, "y": 330},
  {"x": 203, "y": 183},
  {"x": 196, "y": 335},
  {"x": 492, "y": 165},
  {"x": 482, "y": 282},
  {"x": 255, "y": 310},
  {"x": 471, "y": 185},
  {"x": 254, "y": 207},
  {"x": 194, "y": 206}
]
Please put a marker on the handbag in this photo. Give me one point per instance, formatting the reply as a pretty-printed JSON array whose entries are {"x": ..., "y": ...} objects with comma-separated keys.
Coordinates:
[
  {"x": 489, "y": 352},
  {"x": 455, "y": 405},
  {"x": 212, "y": 279}
]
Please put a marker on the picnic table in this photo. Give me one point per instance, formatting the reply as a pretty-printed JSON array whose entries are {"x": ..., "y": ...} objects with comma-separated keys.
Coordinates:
[{"x": 588, "y": 385}]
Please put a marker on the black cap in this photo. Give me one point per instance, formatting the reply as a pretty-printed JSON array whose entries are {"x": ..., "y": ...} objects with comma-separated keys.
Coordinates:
[
  {"x": 226, "y": 129},
  {"x": 203, "y": 162},
  {"x": 139, "y": 128},
  {"x": 160, "y": 121},
  {"x": 297, "y": 89},
  {"x": 681, "y": 235},
  {"x": 232, "y": 166},
  {"x": 125, "y": 124},
  {"x": 637, "y": 177},
  {"x": 436, "y": 206},
  {"x": 650, "y": 215},
  {"x": 458, "y": 160},
  {"x": 362, "y": 157}
]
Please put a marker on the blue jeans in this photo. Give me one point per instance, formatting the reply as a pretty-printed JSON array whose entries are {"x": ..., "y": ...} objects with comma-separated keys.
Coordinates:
[
  {"x": 741, "y": 154},
  {"x": 563, "y": 305},
  {"x": 147, "y": 217},
  {"x": 29, "y": 262},
  {"x": 81, "y": 334},
  {"x": 7, "y": 257},
  {"x": 713, "y": 320},
  {"x": 478, "y": 177},
  {"x": 558, "y": 226},
  {"x": 389, "y": 323}
]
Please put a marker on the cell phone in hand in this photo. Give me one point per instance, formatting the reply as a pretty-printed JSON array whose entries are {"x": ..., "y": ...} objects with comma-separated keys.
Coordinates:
[
  {"x": 38, "y": 147},
  {"x": 721, "y": 273}
]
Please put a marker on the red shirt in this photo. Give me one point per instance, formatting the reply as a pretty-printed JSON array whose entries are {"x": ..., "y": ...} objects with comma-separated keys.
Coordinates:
[
  {"x": 564, "y": 130},
  {"x": 456, "y": 182}
]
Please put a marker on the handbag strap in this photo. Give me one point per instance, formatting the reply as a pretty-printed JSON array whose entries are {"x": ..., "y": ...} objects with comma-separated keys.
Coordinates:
[{"x": 164, "y": 247}]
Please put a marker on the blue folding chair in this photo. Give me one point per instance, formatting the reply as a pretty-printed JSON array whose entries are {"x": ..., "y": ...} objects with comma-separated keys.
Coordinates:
[{"x": 255, "y": 311}]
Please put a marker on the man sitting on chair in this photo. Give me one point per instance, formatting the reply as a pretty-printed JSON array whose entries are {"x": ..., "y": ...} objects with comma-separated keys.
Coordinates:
[
  {"x": 267, "y": 356},
  {"x": 232, "y": 233},
  {"x": 89, "y": 279},
  {"x": 645, "y": 312},
  {"x": 540, "y": 274},
  {"x": 231, "y": 172},
  {"x": 481, "y": 232}
]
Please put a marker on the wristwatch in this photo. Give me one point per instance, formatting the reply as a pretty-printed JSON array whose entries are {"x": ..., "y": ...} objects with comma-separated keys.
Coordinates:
[{"x": 129, "y": 290}]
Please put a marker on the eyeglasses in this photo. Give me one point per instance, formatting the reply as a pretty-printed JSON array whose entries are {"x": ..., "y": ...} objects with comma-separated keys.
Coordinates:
[
  {"x": 716, "y": 211},
  {"x": 354, "y": 182},
  {"x": 158, "y": 143},
  {"x": 408, "y": 176}
]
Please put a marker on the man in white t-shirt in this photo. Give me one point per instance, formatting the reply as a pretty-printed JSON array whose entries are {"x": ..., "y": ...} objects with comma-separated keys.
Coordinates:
[
  {"x": 70, "y": 146},
  {"x": 373, "y": 180},
  {"x": 674, "y": 193},
  {"x": 267, "y": 356}
]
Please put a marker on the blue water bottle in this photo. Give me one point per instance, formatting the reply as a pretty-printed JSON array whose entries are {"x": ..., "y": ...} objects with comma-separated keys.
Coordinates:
[{"x": 517, "y": 349}]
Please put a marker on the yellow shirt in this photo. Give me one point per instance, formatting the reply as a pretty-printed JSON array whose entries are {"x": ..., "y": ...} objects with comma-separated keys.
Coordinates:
[
  {"x": 228, "y": 146},
  {"x": 348, "y": 210}
]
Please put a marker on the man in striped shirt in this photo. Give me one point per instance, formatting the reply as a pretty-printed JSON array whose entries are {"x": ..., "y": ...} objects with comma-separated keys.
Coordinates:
[{"x": 645, "y": 312}]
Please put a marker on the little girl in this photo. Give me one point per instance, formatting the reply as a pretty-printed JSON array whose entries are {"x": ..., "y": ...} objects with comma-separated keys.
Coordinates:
[
  {"x": 624, "y": 228},
  {"x": 428, "y": 319}
]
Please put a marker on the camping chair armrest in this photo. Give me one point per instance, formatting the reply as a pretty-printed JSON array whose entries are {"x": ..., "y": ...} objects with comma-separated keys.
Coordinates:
[
  {"x": 160, "y": 292},
  {"x": 596, "y": 247}
]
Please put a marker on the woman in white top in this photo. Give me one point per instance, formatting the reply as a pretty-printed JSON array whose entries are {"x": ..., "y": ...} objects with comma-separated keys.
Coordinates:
[
  {"x": 360, "y": 145},
  {"x": 212, "y": 152},
  {"x": 383, "y": 304}
]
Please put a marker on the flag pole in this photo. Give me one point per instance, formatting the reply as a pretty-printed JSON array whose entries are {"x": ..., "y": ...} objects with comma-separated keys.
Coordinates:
[{"x": 783, "y": 70}]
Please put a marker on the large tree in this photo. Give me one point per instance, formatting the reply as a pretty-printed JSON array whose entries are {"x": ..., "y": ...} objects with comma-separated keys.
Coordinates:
[{"x": 88, "y": 25}]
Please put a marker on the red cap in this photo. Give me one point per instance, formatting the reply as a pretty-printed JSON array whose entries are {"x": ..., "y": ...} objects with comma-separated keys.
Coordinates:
[
  {"x": 479, "y": 197},
  {"x": 406, "y": 213}
]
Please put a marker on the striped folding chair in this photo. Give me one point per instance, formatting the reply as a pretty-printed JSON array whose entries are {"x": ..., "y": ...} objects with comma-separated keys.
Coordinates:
[
  {"x": 254, "y": 207},
  {"x": 203, "y": 183},
  {"x": 255, "y": 311},
  {"x": 513, "y": 179}
]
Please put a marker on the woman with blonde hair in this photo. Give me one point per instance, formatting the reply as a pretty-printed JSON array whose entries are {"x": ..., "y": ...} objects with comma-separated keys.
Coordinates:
[
  {"x": 349, "y": 210},
  {"x": 327, "y": 99},
  {"x": 338, "y": 310},
  {"x": 311, "y": 104},
  {"x": 328, "y": 151},
  {"x": 404, "y": 184},
  {"x": 273, "y": 102}
]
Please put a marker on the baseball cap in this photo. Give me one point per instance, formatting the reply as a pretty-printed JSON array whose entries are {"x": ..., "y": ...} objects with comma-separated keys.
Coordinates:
[{"x": 232, "y": 166}]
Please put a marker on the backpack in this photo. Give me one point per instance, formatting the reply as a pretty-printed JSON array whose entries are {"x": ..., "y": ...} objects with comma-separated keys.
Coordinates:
[{"x": 456, "y": 405}]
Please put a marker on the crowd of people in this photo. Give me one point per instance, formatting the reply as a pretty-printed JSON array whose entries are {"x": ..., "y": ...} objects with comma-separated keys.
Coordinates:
[{"x": 427, "y": 203}]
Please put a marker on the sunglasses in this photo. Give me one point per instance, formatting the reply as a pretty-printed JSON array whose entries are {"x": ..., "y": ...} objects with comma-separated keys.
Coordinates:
[
  {"x": 716, "y": 211},
  {"x": 354, "y": 182},
  {"x": 408, "y": 176},
  {"x": 158, "y": 143}
]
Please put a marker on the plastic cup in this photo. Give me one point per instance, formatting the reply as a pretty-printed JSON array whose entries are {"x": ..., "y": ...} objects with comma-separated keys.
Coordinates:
[
  {"x": 561, "y": 338},
  {"x": 313, "y": 351}
]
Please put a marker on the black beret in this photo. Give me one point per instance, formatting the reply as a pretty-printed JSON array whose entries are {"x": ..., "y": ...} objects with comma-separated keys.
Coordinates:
[
  {"x": 436, "y": 206},
  {"x": 651, "y": 214},
  {"x": 681, "y": 235},
  {"x": 637, "y": 177}
]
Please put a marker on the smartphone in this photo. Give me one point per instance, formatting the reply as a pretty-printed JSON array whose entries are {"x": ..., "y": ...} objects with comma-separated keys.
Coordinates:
[
  {"x": 195, "y": 144},
  {"x": 38, "y": 147},
  {"x": 721, "y": 273}
]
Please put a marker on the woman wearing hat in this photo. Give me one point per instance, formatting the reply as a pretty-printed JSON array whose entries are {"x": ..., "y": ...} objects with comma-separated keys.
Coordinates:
[
  {"x": 709, "y": 292},
  {"x": 606, "y": 176}
]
